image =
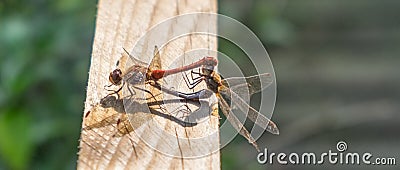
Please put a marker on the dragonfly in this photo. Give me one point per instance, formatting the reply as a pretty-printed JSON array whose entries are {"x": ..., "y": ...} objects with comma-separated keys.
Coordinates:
[
  {"x": 141, "y": 73},
  {"x": 231, "y": 90}
]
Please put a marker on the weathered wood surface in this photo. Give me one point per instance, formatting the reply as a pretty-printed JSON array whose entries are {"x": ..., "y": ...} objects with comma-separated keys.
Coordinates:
[{"x": 149, "y": 138}]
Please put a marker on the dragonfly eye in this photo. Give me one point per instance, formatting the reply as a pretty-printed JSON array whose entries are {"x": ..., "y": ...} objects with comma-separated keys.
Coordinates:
[
  {"x": 211, "y": 61},
  {"x": 208, "y": 69},
  {"x": 115, "y": 77}
]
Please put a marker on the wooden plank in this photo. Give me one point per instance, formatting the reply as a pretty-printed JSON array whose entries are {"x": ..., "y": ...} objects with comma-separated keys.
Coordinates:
[{"x": 114, "y": 139}]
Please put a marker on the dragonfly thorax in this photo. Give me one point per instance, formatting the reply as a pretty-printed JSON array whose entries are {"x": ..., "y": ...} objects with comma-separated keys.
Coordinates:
[
  {"x": 134, "y": 77},
  {"x": 213, "y": 81}
]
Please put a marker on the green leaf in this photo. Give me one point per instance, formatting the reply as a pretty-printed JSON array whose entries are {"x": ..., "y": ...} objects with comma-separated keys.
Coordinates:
[{"x": 16, "y": 146}]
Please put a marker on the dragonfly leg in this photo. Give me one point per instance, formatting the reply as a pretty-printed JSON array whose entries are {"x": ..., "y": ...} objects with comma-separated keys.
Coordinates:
[
  {"x": 196, "y": 81},
  {"x": 131, "y": 92},
  {"x": 114, "y": 91},
  {"x": 198, "y": 73}
]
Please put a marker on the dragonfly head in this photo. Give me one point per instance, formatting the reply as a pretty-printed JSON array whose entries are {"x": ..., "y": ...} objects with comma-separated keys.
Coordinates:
[
  {"x": 115, "y": 77},
  {"x": 208, "y": 69}
]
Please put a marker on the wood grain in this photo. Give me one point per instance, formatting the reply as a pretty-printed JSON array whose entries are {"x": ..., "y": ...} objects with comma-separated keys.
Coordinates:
[{"x": 149, "y": 138}]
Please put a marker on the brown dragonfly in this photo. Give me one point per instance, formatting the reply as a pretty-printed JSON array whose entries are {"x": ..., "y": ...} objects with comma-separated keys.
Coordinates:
[
  {"x": 141, "y": 73},
  {"x": 233, "y": 90}
]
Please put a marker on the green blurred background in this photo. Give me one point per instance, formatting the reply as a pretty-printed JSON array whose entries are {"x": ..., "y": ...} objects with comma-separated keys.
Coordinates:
[{"x": 335, "y": 62}]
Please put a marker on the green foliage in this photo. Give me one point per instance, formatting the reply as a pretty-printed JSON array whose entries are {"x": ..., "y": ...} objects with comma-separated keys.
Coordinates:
[
  {"x": 16, "y": 143},
  {"x": 44, "y": 48}
]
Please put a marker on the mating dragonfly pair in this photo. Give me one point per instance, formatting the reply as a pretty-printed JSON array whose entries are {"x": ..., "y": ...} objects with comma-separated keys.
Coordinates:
[{"x": 227, "y": 90}]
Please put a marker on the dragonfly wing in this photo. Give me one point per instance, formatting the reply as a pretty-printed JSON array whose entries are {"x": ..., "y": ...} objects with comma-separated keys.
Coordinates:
[
  {"x": 133, "y": 59},
  {"x": 224, "y": 106},
  {"x": 239, "y": 85},
  {"x": 156, "y": 61},
  {"x": 122, "y": 61},
  {"x": 250, "y": 85},
  {"x": 247, "y": 111}
]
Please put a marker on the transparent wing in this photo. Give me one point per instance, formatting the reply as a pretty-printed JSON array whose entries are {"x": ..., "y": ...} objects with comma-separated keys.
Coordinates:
[
  {"x": 247, "y": 111},
  {"x": 134, "y": 60},
  {"x": 135, "y": 71},
  {"x": 226, "y": 110},
  {"x": 249, "y": 85},
  {"x": 156, "y": 61}
]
